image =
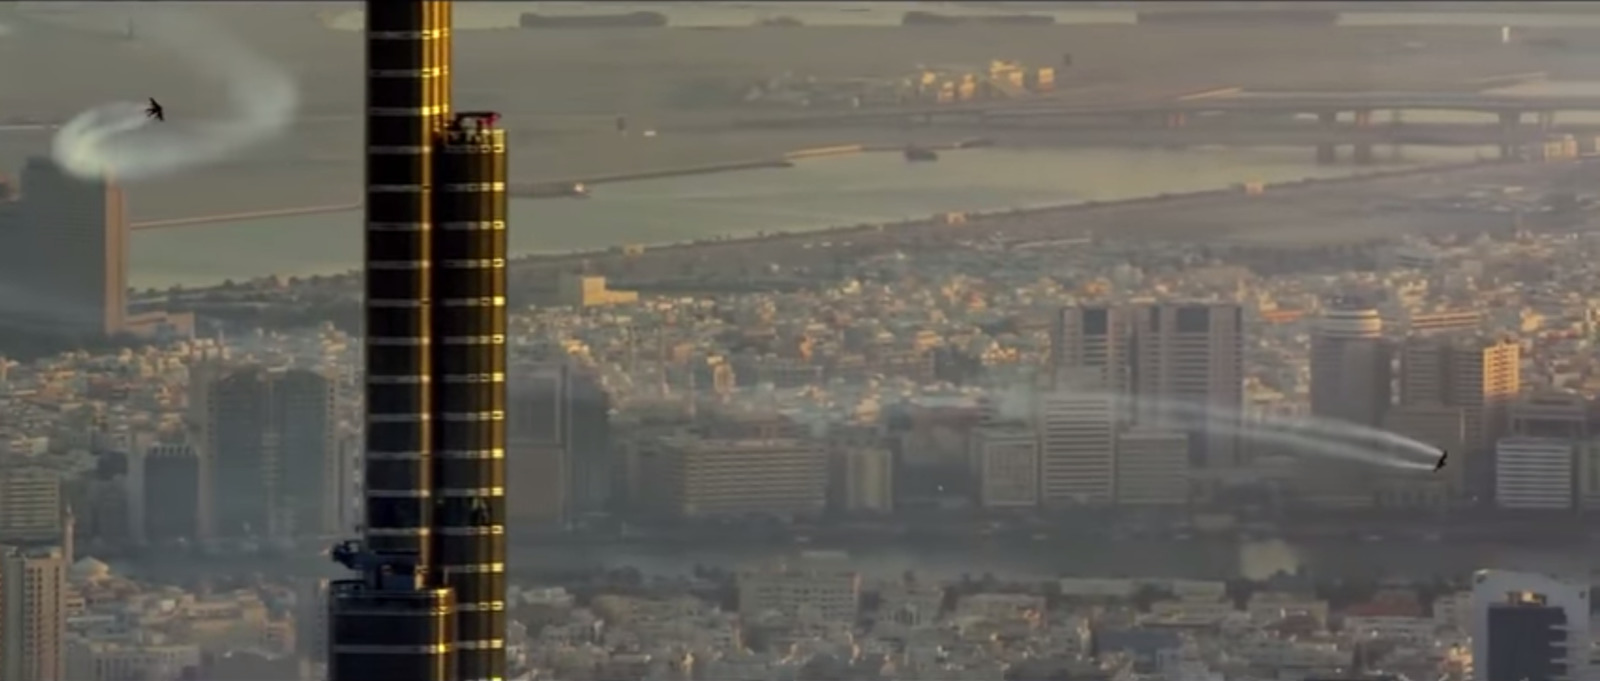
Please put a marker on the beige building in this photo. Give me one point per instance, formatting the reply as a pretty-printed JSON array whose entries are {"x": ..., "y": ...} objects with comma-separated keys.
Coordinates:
[
  {"x": 579, "y": 290},
  {"x": 707, "y": 477},
  {"x": 33, "y": 614},
  {"x": 1006, "y": 460},
  {"x": 1152, "y": 468}
]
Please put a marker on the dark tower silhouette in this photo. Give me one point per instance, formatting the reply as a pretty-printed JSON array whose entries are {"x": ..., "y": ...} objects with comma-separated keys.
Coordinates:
[
  {"x": 430, "y": 603},
  {"x": 469, "y": 359},
  {"x": 408, "y": 51}
]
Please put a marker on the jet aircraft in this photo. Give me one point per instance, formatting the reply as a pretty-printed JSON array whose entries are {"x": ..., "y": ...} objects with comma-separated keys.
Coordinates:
[
  {"x": 1440, "y": 465},
  {"x": 155, "y": 111}
]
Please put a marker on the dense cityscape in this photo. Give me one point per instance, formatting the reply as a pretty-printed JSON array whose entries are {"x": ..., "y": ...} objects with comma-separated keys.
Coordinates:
[{"x": 1086, "y": 424}]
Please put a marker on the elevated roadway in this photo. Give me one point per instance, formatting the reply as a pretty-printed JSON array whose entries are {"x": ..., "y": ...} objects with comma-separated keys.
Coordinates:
[
  {"x": 1259, "y": 103},
  {"x": 1302, "y": 134}
]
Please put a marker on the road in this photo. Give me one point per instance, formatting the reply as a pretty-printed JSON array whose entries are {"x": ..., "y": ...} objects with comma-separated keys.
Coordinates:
[
  {"x": 1225, "y": 101},
  {"x": 1287, "y": 133}
]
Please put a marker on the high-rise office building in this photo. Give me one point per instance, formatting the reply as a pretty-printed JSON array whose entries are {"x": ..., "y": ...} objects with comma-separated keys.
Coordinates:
[
  {"x": 433, "y": 550},
  {"x": 1188, "y": 374},
  {"x": 559, "y": 452},
  {"x": 1093, "y": 337},
  {"x": 1528, "y": 626},
  {"x": 712, "y": 477},
  {"x": 165, "y": 501},
  {"x": 64, "y": 255},
  {"x": 1534, "y": 474},
  {"x": 1350, "y": 381},
  {"x": 1350, "y": 365},
  {"x": 1480, "y": 376},
  {"x": 33, "y": 614},
  {"x": 273, "y": 460},
  {"x": 1077, "y": 447}
]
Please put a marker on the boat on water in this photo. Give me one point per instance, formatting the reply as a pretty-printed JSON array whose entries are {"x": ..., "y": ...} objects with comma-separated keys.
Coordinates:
[{"x": 919, "y": 154}]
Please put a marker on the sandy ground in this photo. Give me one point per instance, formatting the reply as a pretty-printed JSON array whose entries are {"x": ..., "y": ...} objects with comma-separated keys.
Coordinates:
[{"x": 562, "y": 89}]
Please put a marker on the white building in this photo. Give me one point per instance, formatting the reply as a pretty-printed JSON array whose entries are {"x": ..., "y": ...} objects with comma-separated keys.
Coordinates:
[
  {"x": 1006, "y": 459},
  {"x": 1152, "y": 468},
  {"x": 1490, "y": 587},
  {"x": 1533, "y": 474}
]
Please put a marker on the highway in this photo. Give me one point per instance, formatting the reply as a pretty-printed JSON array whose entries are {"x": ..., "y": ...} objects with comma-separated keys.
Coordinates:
[
  {"x": 1246, "y": 102},
  {"x": 204, "y": 220},
  {"x": 1101, "y": 133}
]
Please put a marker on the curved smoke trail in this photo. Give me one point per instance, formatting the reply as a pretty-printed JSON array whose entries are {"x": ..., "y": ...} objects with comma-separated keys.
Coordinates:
[
  {"x": 118, "y": 139},
  {"x": 1308, "y": 435}
]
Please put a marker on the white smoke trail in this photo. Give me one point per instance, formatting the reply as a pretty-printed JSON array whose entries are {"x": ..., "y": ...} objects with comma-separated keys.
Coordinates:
[
  {"x": 118, "y": 139},
  {"x": 1320, "y": 437}
]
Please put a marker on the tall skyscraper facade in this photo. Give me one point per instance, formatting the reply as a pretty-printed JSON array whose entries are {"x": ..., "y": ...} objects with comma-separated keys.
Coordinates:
[
  {"x": 1168, "y": 364},
  {"x": 33, "y": 614},
  {"x": 1350, "y": 365},
  {"x": 165, "y": 481},
  {"x": 1478, "y": 375},
  {"x": 1189, "y": 360},
  {"x": 429, "y": 604},
  {"x": 560, "y": 452},
  {"x": 272, "y": 455},
  {"x": 1528, "y": 626},
  {"x": 64, "y": 255},
  {"x": 1093, "y": 337}
]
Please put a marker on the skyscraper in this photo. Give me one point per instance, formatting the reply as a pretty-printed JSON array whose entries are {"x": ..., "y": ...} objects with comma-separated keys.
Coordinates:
[
  {"x": 1189, "y": 359},
  {"x": 1528, "y": 626},
  {"x": 1350, "y": 365},
  {"x": 433, "y": 554},
  {"x": 1094, "y": 336},
  {"x": 64, "y": 254},
  {"x": 271, "y": 449},
  {"x": 560, "y": 453},
  {"x": 1077, "y": 447},
  {"x": 165, "y": 482},
  {"x": 33, "y": 614},
  {"x": 1480, "y": 376},
  {"x": 1350, "y": 381}
]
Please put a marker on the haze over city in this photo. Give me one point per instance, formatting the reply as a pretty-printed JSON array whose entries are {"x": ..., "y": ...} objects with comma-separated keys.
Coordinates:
[{"x": 667, "y": 341}]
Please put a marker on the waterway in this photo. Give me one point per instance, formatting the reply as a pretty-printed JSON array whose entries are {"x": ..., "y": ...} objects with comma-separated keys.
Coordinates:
[
  {"x": 812, "y": 195},
  {"x": 495, "y": 15}
]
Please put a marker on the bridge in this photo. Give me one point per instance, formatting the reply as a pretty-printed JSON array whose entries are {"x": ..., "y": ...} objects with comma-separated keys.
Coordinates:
[
  {"x": 1307, "y": 134},
  {"x": 1327, "y": 105}
]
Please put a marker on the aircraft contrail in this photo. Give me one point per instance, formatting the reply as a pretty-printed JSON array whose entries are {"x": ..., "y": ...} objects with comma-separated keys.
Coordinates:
[
  {"x": 1318, "y": 437},
  {"x": 119, "y": 140}
]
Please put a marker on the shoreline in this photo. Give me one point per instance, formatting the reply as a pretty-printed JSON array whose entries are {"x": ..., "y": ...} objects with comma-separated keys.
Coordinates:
[{"x": 634, "y": 254}]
